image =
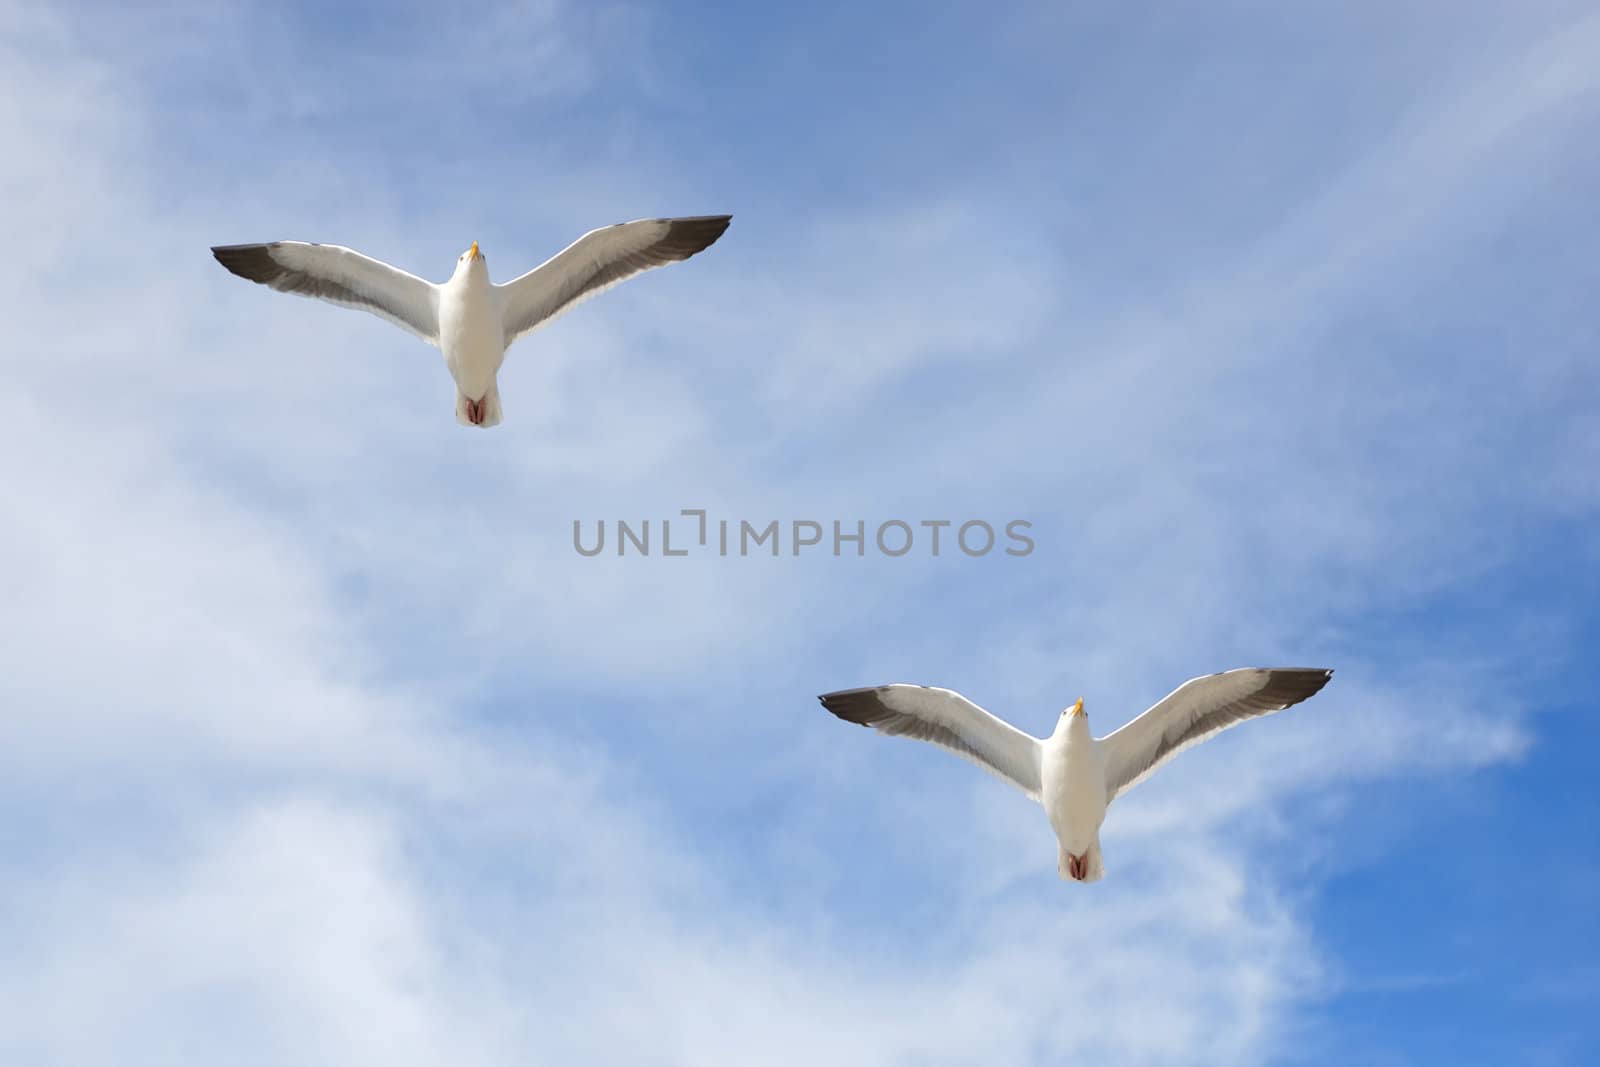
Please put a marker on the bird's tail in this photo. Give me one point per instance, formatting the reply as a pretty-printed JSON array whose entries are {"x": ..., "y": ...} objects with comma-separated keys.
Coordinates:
[
  {"x": 482, "y": 413},
  {"x": 1097, "y": 866}
]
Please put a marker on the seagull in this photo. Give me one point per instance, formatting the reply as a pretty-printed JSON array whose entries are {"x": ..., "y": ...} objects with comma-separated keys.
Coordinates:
[
  {"x": 470, "y": 319},
  {"x": 1074, "y": 775}
]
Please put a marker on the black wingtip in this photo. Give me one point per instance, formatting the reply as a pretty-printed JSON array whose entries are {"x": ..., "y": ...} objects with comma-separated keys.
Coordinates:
[
  {"x": 1295, "y": 684},
  {"x": 828, "y": 700},
  {"x": 251, "y": 262},
  {"x": 842, "y": 693},
  {"x": 860, "y": 706},
  {"x": 694, "y": 234}
]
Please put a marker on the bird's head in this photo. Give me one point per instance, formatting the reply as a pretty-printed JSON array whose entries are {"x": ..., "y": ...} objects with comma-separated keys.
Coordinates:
[
  {"x": 470, "y": 256},
  {"x": 1075, "y": 714}
]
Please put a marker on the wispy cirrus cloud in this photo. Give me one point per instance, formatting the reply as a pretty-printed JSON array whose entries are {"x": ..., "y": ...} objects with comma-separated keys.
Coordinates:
[{"x": 344, "y": 754}]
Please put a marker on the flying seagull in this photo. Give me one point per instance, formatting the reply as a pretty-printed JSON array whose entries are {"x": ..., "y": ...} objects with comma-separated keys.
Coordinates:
[
  {"x": 1071, "y": 773},
  {"x": 470, "y": 319}
]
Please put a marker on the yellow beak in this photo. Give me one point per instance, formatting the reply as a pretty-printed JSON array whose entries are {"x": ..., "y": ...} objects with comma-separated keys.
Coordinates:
[
  {"x": 1077, "y": 709},
  {"x": 473, "y": 251}
]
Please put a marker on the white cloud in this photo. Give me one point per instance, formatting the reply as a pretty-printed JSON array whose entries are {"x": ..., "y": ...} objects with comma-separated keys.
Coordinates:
[{"x": 270, "y": 631}]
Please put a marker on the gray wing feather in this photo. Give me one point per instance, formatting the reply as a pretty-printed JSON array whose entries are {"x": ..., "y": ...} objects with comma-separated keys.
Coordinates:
[
  {"x": 947, "y": 719},
  {"x": 600, "y": 259},
  {"x": 340, "y": 276},
  {"x": 1197, "y": 710}
]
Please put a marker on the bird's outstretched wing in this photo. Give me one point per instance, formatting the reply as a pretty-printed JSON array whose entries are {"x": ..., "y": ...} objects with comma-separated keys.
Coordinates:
[
  {"x": 340, "y": 276},
  {"x": 1198, "y": 709},
  {"x": 598, "y": 260},
  {"x": 947, "y": 719}
]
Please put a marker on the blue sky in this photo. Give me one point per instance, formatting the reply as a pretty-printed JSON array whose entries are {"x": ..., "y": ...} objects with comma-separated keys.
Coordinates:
[{"x": 320, "y": 744}]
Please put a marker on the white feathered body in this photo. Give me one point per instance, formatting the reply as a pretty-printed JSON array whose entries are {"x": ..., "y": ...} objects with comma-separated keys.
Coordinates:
[
  {"x": 1071, "y": 773},
  {"x": 471, "y": 328},
  {"x": 471, "y": 320},
  {"x": 1072, "y": 781}
]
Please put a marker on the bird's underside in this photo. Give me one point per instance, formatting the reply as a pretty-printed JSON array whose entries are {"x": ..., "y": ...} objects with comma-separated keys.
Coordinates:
[
  {"x": 1074, "y": 775},
  {"x": 470, "y": 319}
]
